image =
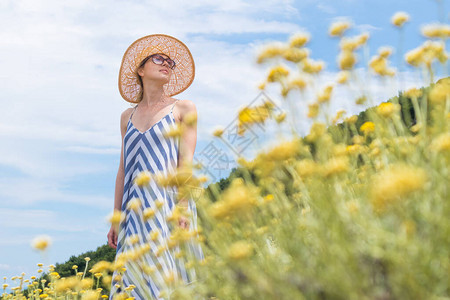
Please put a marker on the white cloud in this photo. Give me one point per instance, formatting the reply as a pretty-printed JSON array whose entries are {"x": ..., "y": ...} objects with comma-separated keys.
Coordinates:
[
  {"x": 326, "y": 8},
  {"x": 35, "y": 190}
]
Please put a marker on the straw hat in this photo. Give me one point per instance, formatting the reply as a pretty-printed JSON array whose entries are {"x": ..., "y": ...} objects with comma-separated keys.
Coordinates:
[{"x": 182, "y": 75}]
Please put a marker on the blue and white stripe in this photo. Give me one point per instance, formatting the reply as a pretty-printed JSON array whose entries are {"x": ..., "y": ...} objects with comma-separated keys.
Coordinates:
[{"x": 152, "y": 151}]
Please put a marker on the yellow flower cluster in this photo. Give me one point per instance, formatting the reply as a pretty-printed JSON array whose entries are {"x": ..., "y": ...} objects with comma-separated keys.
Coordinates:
[
  {"x": 379, "y": 63},
  {"x": 277, "y": 73},
  {"x": 338, "y": 28},
  {"x": 240, "y": 250},
  {"x": 395, "y": 183},
  {"x": 426, "y": 54},
  {"x": 440, "y": 93},
  {"x": 387, "y": 109},
  {"x": 441, "y": 31},
  {"x": 367, "y": 127},
  {"x": 143, "y": 178},
  {"x": 400, "y": 18},
  {"x": 237, "y": 199}
]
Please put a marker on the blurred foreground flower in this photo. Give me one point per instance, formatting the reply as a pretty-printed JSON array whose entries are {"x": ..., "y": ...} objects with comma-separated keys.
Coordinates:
[{"x": 41, "y": 242}]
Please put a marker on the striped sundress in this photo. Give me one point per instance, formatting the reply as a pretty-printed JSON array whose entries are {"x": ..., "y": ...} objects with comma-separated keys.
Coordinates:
[{"x": 153, "y": 152}]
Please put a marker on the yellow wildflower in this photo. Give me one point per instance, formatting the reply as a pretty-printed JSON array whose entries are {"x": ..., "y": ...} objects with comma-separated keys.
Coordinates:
[
  {"x": 439, "y": 93},
  {"x": 349, "y": 44},
  {"x": 325, "y": 94},
  {"x": 237, "y": 198},
  {"x": 362, "y": 38},
  {"x": 190, "y": 119},
  {"x": 217, "y": 132},
  {"x": 133, "y": 239},
  {"x": 90, "y": 295},
  {"x": 148, "y": 213},
  {"x": 295, "y": 55},
  {"x": 283, "y": 151},
  {"x": 351, "y": 119},
  {"x": 101, "y": 266},
  {"x": 134, "y": 204},
  {"x": 361, "y": 100},
  {"x": 277, "y": 73},
  {"x": 297, "y": 83},
  {"x": 385, "y": 51},
  {"x": 299, "y": 39},
  {"x": 378, "y": 64},
  {"x": 413, "y": 57},
  {"x": 413, "y": 93},
  {"x": 346, "y": 60},
  {"x": 313, "y": 110},
  {"x": 357, "y": 139},
  {"x": 280, "y": 117},
  {"x": 154, "y": 235},
  {"x": 240, "y": 250},
  {"x": 342, "y": 77},
  {"x": 352, "y": 206},
  {"x": 395, "y": 183},
  {"x": 338, "y": 28},
  {"x": 339, "y": 114},
  {"x": 436, "y": 31},
  {"x": 399, "y": 18},
  {"x": 306, "y": 167},
  {"x": 41, "y": 242},
  {"x": 143, "y": 178},
  {"x": 259, "y": 114},
  {"x": 441, "y": 143},
  {"x": 426, "y": 53},
  {"x": 86, "y": 283},
  {"x": 317, "y": 130},
  {"x": 335, "y": 166},
  {"x": 367, "y": 127},
  {"x": 387, "y": 109},
  {"x": 269, "y": 52},
  {"x": 312, "y": 67},
  {"x": 175, "y": 130},
  {"x": 353, "y": 149},
  {"x": 268, "y": 198},
  {"x": 116, "y": 217},
  {"x": 66, "y": 283},
  {"x": 159, "y": 203}
]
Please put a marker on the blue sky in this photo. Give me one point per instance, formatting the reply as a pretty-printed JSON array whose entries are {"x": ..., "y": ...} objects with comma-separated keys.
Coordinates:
[{"x": 60, "y": 106}]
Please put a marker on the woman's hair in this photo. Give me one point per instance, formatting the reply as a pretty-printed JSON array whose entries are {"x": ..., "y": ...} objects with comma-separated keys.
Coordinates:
[{"x": 141, "y": 84}]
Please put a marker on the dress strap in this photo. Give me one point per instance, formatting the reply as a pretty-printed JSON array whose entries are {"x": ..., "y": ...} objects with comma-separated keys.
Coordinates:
[
  {"x": 132, "y": 113},
  {"x": 174, "y": 105}
]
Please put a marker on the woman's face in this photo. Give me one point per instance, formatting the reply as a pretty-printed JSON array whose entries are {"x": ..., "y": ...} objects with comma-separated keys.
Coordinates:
[{"x": 156, "y": 72}]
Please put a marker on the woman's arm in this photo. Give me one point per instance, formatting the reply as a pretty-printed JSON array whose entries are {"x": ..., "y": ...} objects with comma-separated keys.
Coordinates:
[
  {"x": 113, "y": 234},
  {"x": 121, "y": 172}
]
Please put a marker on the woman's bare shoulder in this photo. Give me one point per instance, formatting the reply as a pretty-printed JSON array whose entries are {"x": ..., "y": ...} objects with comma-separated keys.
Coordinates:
[
  {"x": 124, "y": 117},
  {"x": 126, "y": 114},
  {"x": 184, "y": 107}
]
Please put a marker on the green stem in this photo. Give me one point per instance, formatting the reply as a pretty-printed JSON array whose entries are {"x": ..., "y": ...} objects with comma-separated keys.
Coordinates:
[{"x": 85, "y": 269}]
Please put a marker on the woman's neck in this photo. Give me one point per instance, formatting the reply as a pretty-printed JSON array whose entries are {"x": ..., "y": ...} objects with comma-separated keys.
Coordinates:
[{"x": 153, "y": 95}]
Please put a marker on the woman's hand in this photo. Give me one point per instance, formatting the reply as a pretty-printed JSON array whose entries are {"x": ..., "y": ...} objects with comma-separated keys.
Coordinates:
[
  {"x": 112, "y": 237},
  {"x": 183, "y": 222}
]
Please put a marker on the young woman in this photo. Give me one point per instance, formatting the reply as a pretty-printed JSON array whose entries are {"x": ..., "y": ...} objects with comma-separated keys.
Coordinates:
[{"x": 154, "y": 68}]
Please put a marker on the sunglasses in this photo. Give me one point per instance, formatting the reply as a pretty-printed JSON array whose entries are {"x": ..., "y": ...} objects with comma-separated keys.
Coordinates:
[{"x": 159, "y": 60}]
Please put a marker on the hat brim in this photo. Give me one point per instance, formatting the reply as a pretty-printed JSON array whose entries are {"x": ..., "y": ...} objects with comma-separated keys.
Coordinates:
[{"x": 182, "y": 76}]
